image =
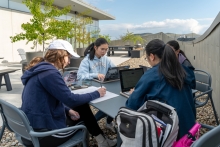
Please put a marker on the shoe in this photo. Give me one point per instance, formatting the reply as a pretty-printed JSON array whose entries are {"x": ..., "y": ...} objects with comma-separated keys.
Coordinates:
[
  {"x": 105, "y": 142},
  {"x": 110, "y": 126}
]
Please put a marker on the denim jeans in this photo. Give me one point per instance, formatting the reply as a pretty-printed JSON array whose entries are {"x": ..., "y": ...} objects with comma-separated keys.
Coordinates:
[{"x": 99, "y": 115}]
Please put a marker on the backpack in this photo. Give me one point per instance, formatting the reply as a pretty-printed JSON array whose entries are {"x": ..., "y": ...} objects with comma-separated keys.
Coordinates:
[{"x": 154, "y": 124}]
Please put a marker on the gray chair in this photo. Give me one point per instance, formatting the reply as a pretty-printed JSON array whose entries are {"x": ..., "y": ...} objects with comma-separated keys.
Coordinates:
[
  {"x": 22, "y": 54},
  {"x": 16, "y": 121},
  {"x": 209, "y": 139},
  {"x": 203, "y": 85}
]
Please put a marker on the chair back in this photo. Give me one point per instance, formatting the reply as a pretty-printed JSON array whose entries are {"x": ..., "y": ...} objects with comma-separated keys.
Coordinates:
[
  {"x": 22, "y": 53},
  {"x": 203, "y": 80},
  {"x": 209, "y": 139},
  {"x": 15, "y": 119}
]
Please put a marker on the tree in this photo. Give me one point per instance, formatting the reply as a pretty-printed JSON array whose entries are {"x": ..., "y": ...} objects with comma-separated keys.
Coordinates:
[
  {"x": 44, "y": 24},
  {"x": 129, "y": 36}
]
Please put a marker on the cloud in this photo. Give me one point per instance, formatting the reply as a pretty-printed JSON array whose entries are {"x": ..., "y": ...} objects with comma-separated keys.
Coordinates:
[{"x": 179, "y": 26}]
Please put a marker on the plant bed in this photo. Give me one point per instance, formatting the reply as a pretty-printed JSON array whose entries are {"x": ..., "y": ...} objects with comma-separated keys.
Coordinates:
[
  {"x": 137, "y": 53},
  {"x": 75, "y": 62}
]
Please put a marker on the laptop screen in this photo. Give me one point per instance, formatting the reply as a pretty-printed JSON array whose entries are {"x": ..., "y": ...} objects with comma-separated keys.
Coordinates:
[
  {"x": 129, "y": 78},
  {"x": 113, "y": 73}
]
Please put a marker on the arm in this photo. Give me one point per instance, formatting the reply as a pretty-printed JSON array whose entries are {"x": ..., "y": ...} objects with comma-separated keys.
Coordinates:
[
  {"x": 83, "y": 72},
  {"x": 140, "y": 94},
  {"x": 55, "y": 86}
]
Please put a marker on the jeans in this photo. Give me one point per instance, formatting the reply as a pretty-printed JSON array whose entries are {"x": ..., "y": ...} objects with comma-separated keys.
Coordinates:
[{"x": 99, "y": 115}]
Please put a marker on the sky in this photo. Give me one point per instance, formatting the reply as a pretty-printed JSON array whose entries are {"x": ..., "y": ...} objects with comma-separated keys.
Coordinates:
[{"x": 153, "y": 16}]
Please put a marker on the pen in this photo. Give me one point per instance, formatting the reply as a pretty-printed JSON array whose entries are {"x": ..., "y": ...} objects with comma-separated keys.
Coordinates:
[{"x": 101, "y": 83}]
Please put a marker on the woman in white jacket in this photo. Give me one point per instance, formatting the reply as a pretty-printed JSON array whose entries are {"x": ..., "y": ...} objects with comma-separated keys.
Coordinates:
[{"x": 95, "y": 65}]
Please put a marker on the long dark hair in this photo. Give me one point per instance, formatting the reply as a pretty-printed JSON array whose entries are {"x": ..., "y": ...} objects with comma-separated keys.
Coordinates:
[
  {"x": 169, "y": 65},
  {"x": 176, "y": 46},
  {"x": 91, "y": 50}
]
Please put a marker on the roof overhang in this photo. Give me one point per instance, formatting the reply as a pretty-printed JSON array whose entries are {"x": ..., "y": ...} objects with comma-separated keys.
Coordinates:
[{"x": 80, "y": 6}]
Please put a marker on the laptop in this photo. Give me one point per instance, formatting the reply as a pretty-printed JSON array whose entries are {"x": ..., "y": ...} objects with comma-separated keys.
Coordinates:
[
  {"x": 129, "y": 79},
  {"x": 145, "y": 68},
  {"x": 112, "y": 74}
]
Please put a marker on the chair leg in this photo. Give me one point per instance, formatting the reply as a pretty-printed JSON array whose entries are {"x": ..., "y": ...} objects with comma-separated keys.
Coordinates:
[
  {"x": 215, "y": 113},
  {"x": 2, "y": 131},
  {"x": 1, "y": 81}
]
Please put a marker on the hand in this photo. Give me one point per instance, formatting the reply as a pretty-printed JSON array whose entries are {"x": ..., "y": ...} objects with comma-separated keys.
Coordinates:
[
  {"x": 101, "y": 77},
  {"x": 74, "y": 115},
  {"x": 131, "y": 91},
  {"x": 102, "y": 91}
]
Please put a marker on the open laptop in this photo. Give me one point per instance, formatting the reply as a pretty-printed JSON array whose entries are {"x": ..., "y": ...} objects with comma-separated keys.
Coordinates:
[
  {"x": 113, "y": 74},
  {"x": 129, "y": 79},
  {"x": 145, "y": 68}
]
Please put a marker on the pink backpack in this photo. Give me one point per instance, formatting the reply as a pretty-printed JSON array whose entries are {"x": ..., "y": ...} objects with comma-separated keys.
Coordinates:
[{"x": 188, "y": 139}]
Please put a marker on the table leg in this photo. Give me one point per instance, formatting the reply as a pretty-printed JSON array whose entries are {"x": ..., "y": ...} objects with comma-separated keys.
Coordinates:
[
  {"x": 7, "y": 82},
  {"x": 119, "y": 141},
  {"x": 108, "y": 53},
  {"x": 0, "y": 81}
]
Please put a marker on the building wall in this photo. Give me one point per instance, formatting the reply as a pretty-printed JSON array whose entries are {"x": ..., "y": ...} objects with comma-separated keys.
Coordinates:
[{"x": 12, "y": 14}]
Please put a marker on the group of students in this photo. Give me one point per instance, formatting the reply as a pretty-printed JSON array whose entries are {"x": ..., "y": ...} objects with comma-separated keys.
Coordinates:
[{"x": 48, "y": 102}]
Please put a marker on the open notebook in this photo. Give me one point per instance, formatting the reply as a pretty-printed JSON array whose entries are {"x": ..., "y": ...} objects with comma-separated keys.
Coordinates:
[
  {"x": 129, "y": 78},
  {"x": 112, "y": 74}
]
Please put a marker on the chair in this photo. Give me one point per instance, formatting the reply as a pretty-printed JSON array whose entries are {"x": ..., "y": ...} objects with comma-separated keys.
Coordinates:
[
  {"x": 22, "y": 54},
  {"x": 16, "y": 121},
  {"x": 209, "y": 139},
  {"x": 203, "y": 85}
]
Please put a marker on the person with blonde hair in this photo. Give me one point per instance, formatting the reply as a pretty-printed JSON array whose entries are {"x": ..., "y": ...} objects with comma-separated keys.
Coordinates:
[{"x": 49, "y": 103}]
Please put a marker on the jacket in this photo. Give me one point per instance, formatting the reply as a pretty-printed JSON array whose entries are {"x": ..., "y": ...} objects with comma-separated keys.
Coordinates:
[
  {"x": 153, "y": 86},
  {"x": 90, "y": 69},
  {"x": 45, "y": 97}
]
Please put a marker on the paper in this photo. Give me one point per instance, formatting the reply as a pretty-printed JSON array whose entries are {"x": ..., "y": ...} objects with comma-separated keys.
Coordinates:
[{"x": 107, "y": 96}]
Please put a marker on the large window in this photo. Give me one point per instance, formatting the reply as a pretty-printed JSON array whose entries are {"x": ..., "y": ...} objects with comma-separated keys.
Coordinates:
[
  {"x": 4, "y": 3},
  {"x": 18, "y": 5}
]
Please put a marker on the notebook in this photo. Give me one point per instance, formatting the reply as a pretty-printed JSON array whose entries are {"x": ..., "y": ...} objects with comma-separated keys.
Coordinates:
[
  {"x": 112, "y": 74},
  {"x": 144, "y": 67},
  {"x": 128, "y": 79}
]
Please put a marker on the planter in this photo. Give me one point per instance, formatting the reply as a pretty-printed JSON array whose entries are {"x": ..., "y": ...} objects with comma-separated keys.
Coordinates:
[
  {"x": 137, "y": 53},
  {"x": 75, "y": 62},
  {"x": 31, "y": 55},
  {"x": 80, "y": 51}
]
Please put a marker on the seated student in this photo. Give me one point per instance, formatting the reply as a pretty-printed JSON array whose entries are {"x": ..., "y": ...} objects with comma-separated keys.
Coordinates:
[
  {"x": 48, "y": 102},
  {"x": 95, "y": 65},
  {"x": 167, "y": 81},
  {"x": 180, "y": 54}
]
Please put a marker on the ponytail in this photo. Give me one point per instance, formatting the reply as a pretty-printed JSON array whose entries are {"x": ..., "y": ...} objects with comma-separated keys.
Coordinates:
[
  {"x": 91, "y": 50},
  {"x": 34, "y": 62},
  {"x": 171, "y": 69},
  {"x": 169, "y": 65}
]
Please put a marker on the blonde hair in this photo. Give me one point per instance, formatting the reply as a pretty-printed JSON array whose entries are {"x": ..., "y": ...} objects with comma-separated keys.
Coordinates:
[{"x": 55, "y": 56}]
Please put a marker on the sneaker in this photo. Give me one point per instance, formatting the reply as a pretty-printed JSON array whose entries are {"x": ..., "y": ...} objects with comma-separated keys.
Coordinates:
[{"x": 110, "y": 126}]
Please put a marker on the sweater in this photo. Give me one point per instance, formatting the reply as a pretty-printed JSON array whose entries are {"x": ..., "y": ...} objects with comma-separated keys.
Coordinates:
[
  {"x": 90, "y": 69},
  {"x": 153, "y": 86},
  {"x": 45, "y": 97}
]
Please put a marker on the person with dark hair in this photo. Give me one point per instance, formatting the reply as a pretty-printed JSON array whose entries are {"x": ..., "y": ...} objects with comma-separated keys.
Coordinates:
[
  {"x": 95, "y": 65},
  {"x": 167, "y": 81},
  {"x": 180, "y": 54},
  {"x": 49, "y": 103}
]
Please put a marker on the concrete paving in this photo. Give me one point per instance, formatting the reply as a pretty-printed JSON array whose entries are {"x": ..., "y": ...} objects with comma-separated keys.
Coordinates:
[{"x": 14, "y": 96}]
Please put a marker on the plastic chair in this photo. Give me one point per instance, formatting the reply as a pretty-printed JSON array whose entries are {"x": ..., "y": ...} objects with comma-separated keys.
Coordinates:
[
  {"x": 16, "y": 121},
  {"x": 209, "y": 139},
  {"x": 22, "y": 54},
  {"x": 203, "y": 85}
]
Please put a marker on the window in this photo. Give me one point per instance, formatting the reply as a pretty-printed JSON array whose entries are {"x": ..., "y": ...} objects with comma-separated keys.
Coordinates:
[
  {"x": 4, "y": 3},
  {"x": 18, "y": 5}
]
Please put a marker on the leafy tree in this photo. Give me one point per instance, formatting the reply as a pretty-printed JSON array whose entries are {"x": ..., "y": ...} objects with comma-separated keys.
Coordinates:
[
  {"x": 129, "y": 36},
  {"x": 44, "y": 24}
]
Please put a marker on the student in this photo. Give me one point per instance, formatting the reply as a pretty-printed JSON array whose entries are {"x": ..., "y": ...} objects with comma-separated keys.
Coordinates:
[
  {"x": 48, "y": 102},
  {"x": 167, "y": 81},
  {"x": 180, "y": 54},
  {"x": 95, "y": 65}
]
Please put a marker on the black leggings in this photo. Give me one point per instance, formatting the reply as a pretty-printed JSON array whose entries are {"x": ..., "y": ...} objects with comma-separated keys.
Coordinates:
[{"x": 86, "y": 116}]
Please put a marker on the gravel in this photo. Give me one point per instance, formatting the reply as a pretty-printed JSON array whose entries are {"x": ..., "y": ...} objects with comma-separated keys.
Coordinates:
[{"x": 205, "y": 114}]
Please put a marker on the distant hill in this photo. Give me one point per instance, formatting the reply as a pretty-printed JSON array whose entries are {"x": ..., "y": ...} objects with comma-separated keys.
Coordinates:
[{"x": 189, "y": 35}]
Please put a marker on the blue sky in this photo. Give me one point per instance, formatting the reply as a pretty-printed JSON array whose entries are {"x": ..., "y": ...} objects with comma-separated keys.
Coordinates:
[{"x": 153, "y": 16}]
